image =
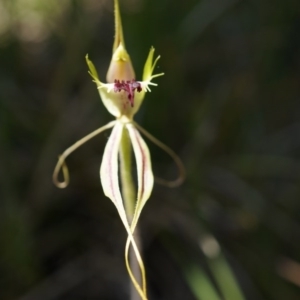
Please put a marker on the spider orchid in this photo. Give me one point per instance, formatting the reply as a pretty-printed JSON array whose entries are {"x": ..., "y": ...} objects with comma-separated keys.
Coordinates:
[{"x": 122, "y": 95}]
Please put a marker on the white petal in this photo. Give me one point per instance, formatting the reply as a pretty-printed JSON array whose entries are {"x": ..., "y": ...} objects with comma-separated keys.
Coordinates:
[
  {"x": 109, "y": 173},
  {"x": 144, "y": 171}
]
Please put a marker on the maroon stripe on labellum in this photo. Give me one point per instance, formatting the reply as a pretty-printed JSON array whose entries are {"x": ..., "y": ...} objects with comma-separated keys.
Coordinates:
[{"x": 129, "y": 86}]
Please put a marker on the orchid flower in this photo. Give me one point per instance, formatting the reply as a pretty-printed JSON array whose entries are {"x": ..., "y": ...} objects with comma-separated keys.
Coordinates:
[{"x": 122, "y": 95}]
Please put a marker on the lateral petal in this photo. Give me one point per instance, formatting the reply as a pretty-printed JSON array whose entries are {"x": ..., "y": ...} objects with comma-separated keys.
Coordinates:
[
  {"x": 92, "y": 71},
  {"x": 144, "y": 171},
  {"x": 109, "y": 174},
  {"x": 149, "y": 67}
]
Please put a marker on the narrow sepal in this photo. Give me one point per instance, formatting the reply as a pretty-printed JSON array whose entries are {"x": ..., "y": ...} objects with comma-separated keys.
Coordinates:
[
  {"x": 169, "y": 151},
  {"x": 119, "y": 38},
  {"x": 61, "y": 161},
  {"x": 109, "y": 173},
  {"x": 144, "y": 171}
]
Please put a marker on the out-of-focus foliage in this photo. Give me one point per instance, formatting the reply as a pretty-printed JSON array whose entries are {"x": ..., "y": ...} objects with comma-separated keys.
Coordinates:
[{"x": 229, "y": 105}]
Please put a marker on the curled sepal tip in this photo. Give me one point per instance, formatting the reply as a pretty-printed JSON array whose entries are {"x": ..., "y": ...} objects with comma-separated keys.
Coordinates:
[
  {"x": 181, "y": 169},
  {"x": 61, "y": 165}
]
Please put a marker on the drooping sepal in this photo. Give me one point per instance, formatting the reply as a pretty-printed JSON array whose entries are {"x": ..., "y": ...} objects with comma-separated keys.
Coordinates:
[
  {"x": 109, "y": 170},
  {"x": 144, "y": 171},
  {"x": 109, "y": 175}
]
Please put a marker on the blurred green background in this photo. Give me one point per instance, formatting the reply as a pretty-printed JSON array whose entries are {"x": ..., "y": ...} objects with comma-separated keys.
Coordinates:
[{"x": 229, "y": 105}]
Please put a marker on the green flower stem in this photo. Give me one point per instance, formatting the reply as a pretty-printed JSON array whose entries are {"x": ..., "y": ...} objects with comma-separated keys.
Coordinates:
[{"x": 129, "y": 198}]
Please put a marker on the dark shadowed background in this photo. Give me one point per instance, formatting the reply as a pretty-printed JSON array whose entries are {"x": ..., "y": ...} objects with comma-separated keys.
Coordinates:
[{"x": 229, "y": 105}]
